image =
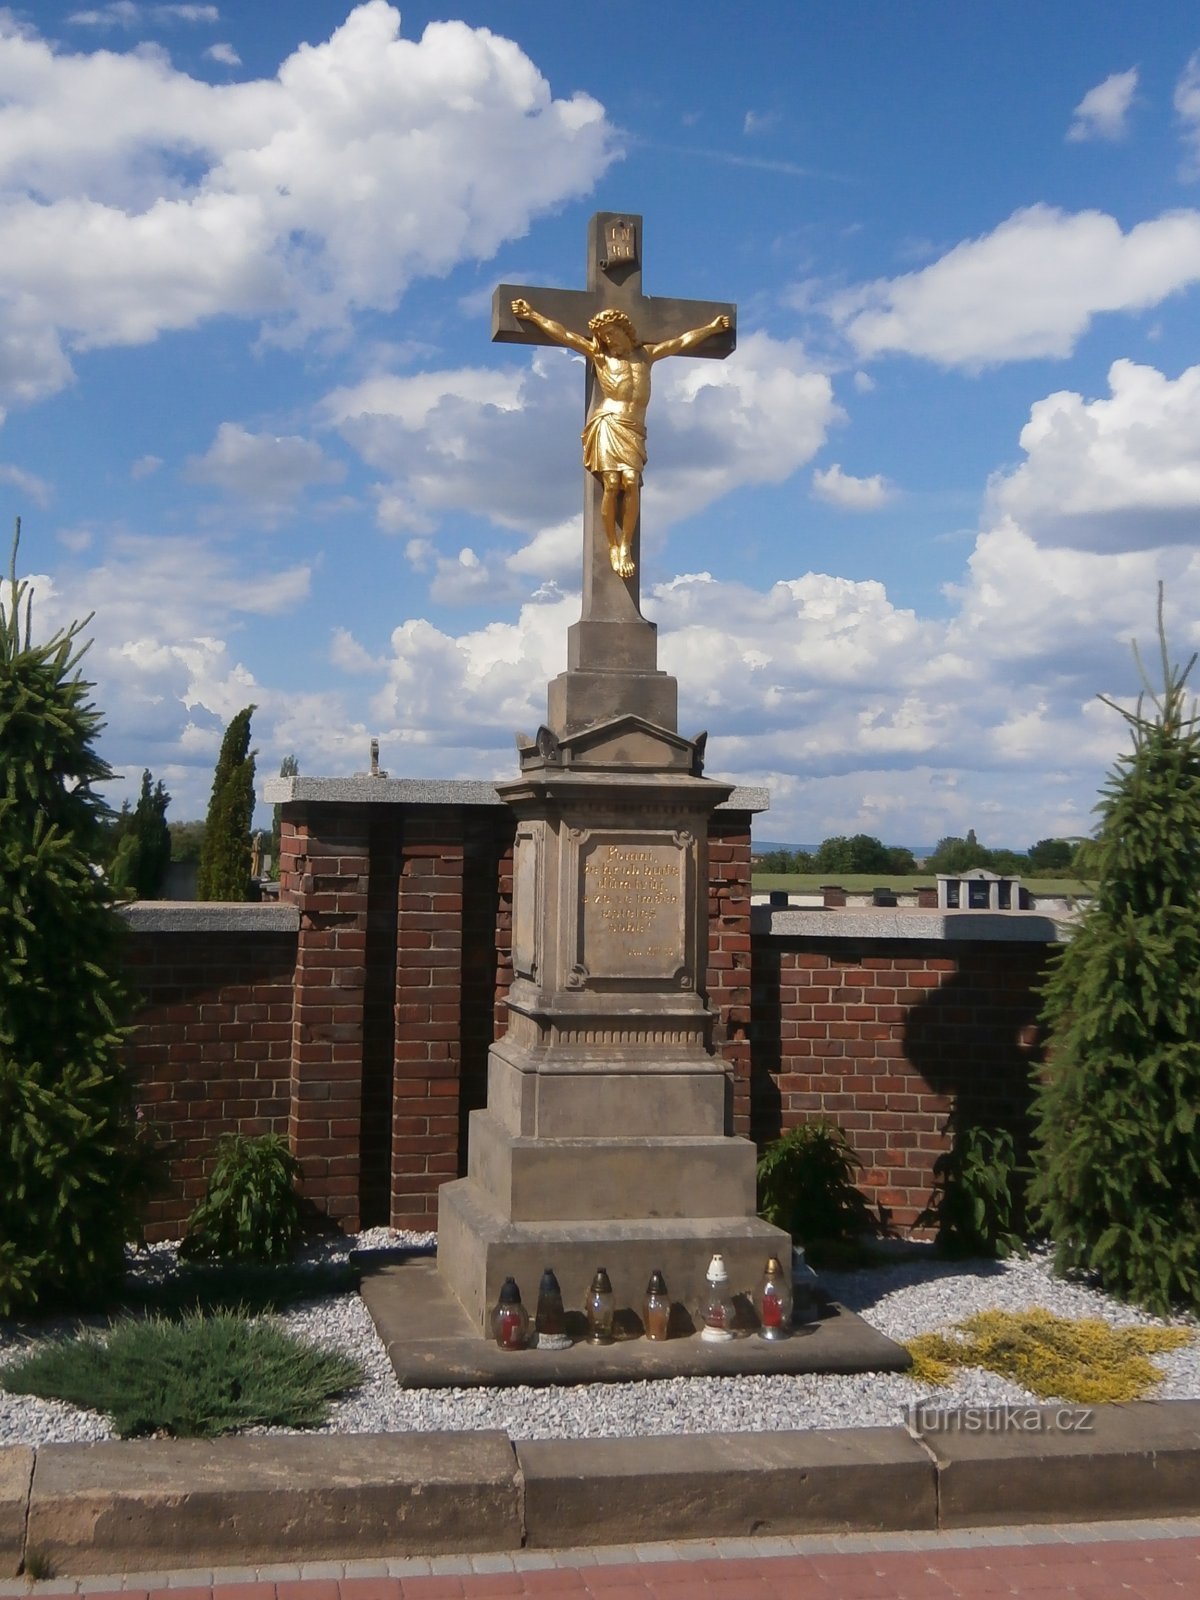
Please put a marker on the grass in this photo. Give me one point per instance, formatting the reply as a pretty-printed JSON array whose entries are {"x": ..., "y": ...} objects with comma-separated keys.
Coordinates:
[
  {"x": 864, "y": 882},
  {"x": 197, "y": 1377},
  {"x": 1083, "y": 1360}
]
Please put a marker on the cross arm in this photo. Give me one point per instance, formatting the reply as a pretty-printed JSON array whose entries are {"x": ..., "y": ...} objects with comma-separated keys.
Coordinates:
[{"x": 655, "y": 317}]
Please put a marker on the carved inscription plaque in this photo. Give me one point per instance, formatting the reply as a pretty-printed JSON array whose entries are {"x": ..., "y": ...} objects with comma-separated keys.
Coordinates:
[{"x": 633, "y": 905}]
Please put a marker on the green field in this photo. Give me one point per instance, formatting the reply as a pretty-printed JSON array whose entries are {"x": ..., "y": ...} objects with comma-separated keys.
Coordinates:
[{"x": 810, "y": 882}]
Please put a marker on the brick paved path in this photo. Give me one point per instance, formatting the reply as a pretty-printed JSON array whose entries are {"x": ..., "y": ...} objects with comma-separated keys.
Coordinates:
[{"x": 1147, "y": 1561}]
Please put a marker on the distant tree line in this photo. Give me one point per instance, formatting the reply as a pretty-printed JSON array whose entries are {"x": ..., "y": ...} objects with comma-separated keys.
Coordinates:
[{"x": 862, "y": 853}]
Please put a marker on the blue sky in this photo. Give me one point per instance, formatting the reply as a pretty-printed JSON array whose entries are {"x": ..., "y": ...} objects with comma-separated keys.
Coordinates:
[{"x": 895, "y": 545}]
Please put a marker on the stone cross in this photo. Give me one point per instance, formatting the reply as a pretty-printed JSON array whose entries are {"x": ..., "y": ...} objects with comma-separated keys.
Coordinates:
[{"x": 614, "y": 280}]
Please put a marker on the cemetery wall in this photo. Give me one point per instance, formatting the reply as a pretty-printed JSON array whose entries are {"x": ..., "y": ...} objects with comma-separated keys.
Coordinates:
[
  {"x": 897, "y": 1040},
  {"x": 355, "y": 1016}
]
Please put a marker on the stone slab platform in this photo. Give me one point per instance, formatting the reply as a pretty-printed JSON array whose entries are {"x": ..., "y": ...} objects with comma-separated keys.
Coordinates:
[{"x": 432, "y": 1343}]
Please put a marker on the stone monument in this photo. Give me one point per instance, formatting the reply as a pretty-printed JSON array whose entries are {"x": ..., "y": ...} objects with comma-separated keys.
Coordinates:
[{"x": 605, "y": 1141}]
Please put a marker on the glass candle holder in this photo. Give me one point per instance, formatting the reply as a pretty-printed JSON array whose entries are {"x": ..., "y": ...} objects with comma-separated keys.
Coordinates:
[
  {"x": 600, "y": 1308},
  {"x": 774, "y": 1302},
  {"x": 510, "y": 1320},
  {"x": 716, "y": 1309},
  {"x": 551, "y": 1319},
  {"x": 656, "y": 1313}
]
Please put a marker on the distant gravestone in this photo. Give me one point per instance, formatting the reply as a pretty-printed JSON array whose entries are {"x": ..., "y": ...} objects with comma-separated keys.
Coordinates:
[{"x": 605, "y": 1140}]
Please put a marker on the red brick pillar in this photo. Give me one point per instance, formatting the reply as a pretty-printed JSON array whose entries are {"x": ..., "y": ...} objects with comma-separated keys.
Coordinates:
[
  {"x": 728, "y": 979},
  {"x": 429, "y": 961},
  {"x": 324, "y": 871}
]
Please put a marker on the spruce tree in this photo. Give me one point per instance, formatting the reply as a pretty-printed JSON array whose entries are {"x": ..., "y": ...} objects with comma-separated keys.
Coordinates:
[
  {"x": 1118, "y": 1185},
  {"x": 225, "y": 857},
  {"x": 68, "y": 1170}
]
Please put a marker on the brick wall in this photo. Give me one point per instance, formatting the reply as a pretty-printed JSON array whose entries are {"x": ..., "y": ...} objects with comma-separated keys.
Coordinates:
[
  {"x": 887, "y": 1038},
  {"x": 356, "y": 1015},
  {"x": 728, "y": 977},
  {"x": 212, "y": 1048}
]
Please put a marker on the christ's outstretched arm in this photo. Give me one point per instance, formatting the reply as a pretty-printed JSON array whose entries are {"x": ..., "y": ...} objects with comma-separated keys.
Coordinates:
[{"x": 684, "y": 342}]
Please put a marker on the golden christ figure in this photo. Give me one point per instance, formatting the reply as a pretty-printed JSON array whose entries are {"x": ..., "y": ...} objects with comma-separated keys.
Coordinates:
[{"x": 614, "y": 435}]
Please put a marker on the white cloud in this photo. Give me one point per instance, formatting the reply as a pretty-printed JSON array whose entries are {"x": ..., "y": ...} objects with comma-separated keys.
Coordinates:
[
  {"x": 126, "y": 14},
  {"x": 28, "y": 485},
  {"x": 269, "y": 473},
  {"x": 147, "y": 200},
  {"x": 1029, "y": 288},
  {"x": 498, "y": 442},
  {"x": 1187, "y": 111},
  {"x": 145, "y": 467},
  {"x": 839, "y": 488},
  {"x": 224, "y": 53},
  {"x": 759, "y": 121},
  {"x": 1121, "y": 473},
  {"x": 1103, "y": 113}
]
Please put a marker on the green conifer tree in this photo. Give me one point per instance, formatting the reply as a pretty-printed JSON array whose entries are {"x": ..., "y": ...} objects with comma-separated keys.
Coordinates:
[
  {"x": 144, "y": 851},
  {"x": 225, "y": 856},
  {"x": 69, "y": 1175},
  {"x": 1118, "y": 1184}
]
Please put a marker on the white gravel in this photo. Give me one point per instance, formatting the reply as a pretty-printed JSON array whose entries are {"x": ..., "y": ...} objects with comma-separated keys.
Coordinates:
[{"x": 913, "y": 1295}]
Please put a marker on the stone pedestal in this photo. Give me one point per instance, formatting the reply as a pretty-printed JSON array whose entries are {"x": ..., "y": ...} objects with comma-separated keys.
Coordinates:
[{"x": 605, "y": 1140}]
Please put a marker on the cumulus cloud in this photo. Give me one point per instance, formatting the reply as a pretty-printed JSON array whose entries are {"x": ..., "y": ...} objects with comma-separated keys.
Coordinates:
[
  {"x": 497, "y": 442},
  {"x": 1103, "y": 113},
  {"x": 1029, "y": 288},
  {"x": 1187, "y": 111},
  {"x": 1119, "y": 473},
  {"x": 266, "y": 472},
  {"x": 838, "y": 488},
  {"x": 224, "y": 53},
  {"x": 147, "y": 200}
]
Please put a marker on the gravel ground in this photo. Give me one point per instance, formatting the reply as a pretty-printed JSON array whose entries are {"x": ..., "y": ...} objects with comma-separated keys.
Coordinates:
[{"x": 912, "y": 1295}]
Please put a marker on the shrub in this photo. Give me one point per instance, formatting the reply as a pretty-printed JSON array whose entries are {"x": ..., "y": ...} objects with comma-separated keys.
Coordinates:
[
  {"x": 979, "y": 1207},
  {"x": 197, "y": 1378},
  {"x": 70, "y": 1172},
  {"x": 1083, "y": 1361},
  {"x": 806, "y": 1185},
  {"x": 1118, "y": 1185},
  {"x": 251, "y": 1211}
]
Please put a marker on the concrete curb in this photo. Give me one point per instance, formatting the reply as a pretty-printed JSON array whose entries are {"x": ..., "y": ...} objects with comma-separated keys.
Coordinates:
[{"x": 117, "y": 1506}]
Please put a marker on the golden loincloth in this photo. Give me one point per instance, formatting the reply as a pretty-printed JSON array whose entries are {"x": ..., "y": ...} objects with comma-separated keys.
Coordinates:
[{"x": 613, "y": 444}]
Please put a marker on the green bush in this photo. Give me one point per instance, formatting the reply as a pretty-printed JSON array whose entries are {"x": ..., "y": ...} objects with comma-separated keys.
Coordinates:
[
  {"x": 1118, "y": 1182},
  {"x": 806, "y": 1186},
  {"x": 251, "y": 1211},
  {"x": 196, "y": 1378},
  {"x": 979, "y": 1207},
  {"x": 70, "y": 1170}
]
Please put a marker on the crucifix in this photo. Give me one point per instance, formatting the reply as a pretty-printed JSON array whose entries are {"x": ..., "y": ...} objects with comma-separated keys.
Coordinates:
[{"x": 621, "y": 333}]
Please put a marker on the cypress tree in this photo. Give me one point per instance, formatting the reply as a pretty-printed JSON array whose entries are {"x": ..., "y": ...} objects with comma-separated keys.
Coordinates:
[
  {"x": 1118, "y": 1184},
  {"x": 68, "y": 1170},
  {"x": 225, "y": 856}
]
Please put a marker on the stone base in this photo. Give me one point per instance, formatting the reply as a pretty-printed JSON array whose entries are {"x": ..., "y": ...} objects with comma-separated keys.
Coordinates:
[
  {"x": 478, "y": 1249},
  {"x": 565, "y": 1180}
]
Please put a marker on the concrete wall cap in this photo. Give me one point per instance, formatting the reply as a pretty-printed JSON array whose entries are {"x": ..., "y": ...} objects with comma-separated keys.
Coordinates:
[
  {"x": 981, "y": 927},
  {"x": 366, "y": 790},
  {"x": 209, "y": 916}
]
